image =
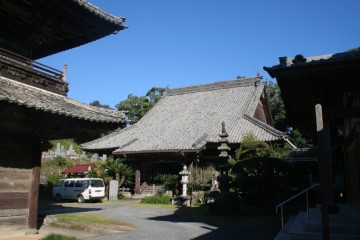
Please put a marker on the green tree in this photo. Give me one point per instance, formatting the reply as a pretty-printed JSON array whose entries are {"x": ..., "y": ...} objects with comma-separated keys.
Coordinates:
[
  {"x": 354, "y": 50},
  {"x": 257, "y": 171},
  {"x": 136, "y": 107},
  {"x": 96, "y": 103},
  {"x": 300, "y": 137},
  {"x": 277, "y": 107},
  {"x": 117, "y": 170},
  {"x": 169, "y": 181}
]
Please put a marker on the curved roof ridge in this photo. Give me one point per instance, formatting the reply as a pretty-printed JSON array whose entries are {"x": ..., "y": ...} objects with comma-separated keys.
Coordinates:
[
  {"x": 264, "y": 125},
  {"x": 105, "y": 15},
  {"x": 212, "y": 86}
]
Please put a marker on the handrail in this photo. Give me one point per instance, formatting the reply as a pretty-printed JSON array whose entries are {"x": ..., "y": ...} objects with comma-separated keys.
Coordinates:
[
  {"x": 26, "y": 62},
  {"x": 293, "y": 197}
]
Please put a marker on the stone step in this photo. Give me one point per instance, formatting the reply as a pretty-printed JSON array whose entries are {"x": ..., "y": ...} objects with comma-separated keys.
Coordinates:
[
  {"x": 345, "y": 222},
  {"x": 299, "y": 227}
]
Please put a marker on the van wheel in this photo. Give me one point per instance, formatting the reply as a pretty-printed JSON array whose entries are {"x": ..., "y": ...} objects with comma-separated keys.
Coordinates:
[
  {"x": 58, "y": 197},
  {"x": 80, "y": 199}
]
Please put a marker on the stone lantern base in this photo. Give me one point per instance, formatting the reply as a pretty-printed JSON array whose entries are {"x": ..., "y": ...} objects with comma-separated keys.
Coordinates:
[{"x": 182, "y": 201}]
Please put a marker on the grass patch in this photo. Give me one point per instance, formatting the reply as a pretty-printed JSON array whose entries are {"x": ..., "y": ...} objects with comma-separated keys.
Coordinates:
[
  {"x": 90, "y": 222},
  {"x": 86, "y": 218},
  {"x": 57, "y": 237}
]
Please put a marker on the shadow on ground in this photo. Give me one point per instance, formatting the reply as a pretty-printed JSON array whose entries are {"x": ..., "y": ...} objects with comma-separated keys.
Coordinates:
[
  {"x": 251, "y": 224},
  {"x": 47, "y": 208}
]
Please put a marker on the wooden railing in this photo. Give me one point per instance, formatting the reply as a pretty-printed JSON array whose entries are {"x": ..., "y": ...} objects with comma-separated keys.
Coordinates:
[
  {"x": 281, "y": 205},
  {"x": 28, "y": 63}
]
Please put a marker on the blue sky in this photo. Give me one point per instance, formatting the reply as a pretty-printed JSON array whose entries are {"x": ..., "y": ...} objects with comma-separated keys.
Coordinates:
[{"x": 172, "y": 43}]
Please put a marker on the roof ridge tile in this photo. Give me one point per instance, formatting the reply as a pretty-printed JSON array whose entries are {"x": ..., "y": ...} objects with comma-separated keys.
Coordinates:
[{"x": 212, "y": 86}]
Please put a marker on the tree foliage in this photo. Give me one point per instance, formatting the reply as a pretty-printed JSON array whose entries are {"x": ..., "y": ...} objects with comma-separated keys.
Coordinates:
[
  {"x": 96, "y": 103},
  {"x": 201, "y": 178},
  {"x": 114, "y": 169},
  {"x": 137, "y": 106},
  {"x": 300, "y": 137},
  {"x": 169, "y": 181},
  {"x": 277, "y": 107},
  {"x": 257, "y": 171}
]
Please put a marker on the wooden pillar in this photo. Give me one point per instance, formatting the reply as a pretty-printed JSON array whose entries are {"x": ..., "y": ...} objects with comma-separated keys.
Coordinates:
[
  {"x": 34, "y": 188},
  {"x": 324, "y": 149},
  {"x": 190, "y": 169},
  {"x": 137, "y": 181}
]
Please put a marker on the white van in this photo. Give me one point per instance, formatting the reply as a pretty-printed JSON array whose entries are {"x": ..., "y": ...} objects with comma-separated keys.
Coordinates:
[{"x": 80, "y": 189}]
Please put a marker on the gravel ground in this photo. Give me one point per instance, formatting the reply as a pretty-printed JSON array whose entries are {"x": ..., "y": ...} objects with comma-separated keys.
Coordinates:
[{"x": 160, "y": 223}]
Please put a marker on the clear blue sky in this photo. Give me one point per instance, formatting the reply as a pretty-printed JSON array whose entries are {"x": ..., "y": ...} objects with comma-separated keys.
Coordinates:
[{"x": 180, "y": 43}]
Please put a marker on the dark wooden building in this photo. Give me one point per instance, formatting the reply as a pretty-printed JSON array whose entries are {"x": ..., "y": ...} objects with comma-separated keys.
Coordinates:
[
  {"x": 321, "y": 94},
  {"x": 34, "y": 107},
  {"x": 330, "y": 82}
]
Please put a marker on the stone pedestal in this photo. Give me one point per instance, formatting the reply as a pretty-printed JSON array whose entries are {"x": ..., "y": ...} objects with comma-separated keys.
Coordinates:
[{"x": 182, "y": 201}]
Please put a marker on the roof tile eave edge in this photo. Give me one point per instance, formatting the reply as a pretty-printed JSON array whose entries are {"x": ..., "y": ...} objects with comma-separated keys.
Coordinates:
[
  {"x": 98, "y": 149},
  {"x": 119, "y": 152},
  {"x": 101, "y": 13}
]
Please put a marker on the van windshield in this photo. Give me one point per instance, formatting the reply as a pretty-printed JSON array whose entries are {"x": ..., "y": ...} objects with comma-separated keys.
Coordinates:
[{"x": 97, "y": 183}]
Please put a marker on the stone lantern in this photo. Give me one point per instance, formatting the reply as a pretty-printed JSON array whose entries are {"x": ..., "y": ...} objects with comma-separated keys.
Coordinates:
[
  {"x": 184, "y": 180},
  {"x": 223, "y": 158}
]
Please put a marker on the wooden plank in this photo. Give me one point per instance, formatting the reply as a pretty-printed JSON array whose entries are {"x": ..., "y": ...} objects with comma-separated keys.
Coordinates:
[
  {"x": 11, "y": 221},
  {"x": 13, "y": 200},
  {"x": 14, "y": 180},
  {"x": 14, "y": 212}
]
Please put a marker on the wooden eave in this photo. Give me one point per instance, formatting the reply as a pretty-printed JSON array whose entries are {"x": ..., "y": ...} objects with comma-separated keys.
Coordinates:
[
  {"x": 39, "y": 28},
  {"x": 303, "y": 85}
]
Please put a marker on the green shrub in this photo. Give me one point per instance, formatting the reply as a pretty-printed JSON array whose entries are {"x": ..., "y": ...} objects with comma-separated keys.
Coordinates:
[
  {"x": 53, "y": 179},
  {"x": 156, "y": 199},
  {"x": 57, "y": 237},
  {"x": 170, "y": 181}
]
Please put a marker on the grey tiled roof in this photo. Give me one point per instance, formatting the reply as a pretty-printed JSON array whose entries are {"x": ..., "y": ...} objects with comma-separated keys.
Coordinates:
[
  {"x": 185, "y": 119},
  {"x": 286, "y": 62},
  {"x": 38, "y": 99}
]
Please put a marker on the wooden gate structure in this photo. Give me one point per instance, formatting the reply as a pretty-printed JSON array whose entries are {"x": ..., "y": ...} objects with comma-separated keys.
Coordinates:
[{"x": 34, "y": 107}]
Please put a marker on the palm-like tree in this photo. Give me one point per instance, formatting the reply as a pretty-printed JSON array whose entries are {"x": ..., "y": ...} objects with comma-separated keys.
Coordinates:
[{"x": 118, "y": 170}]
